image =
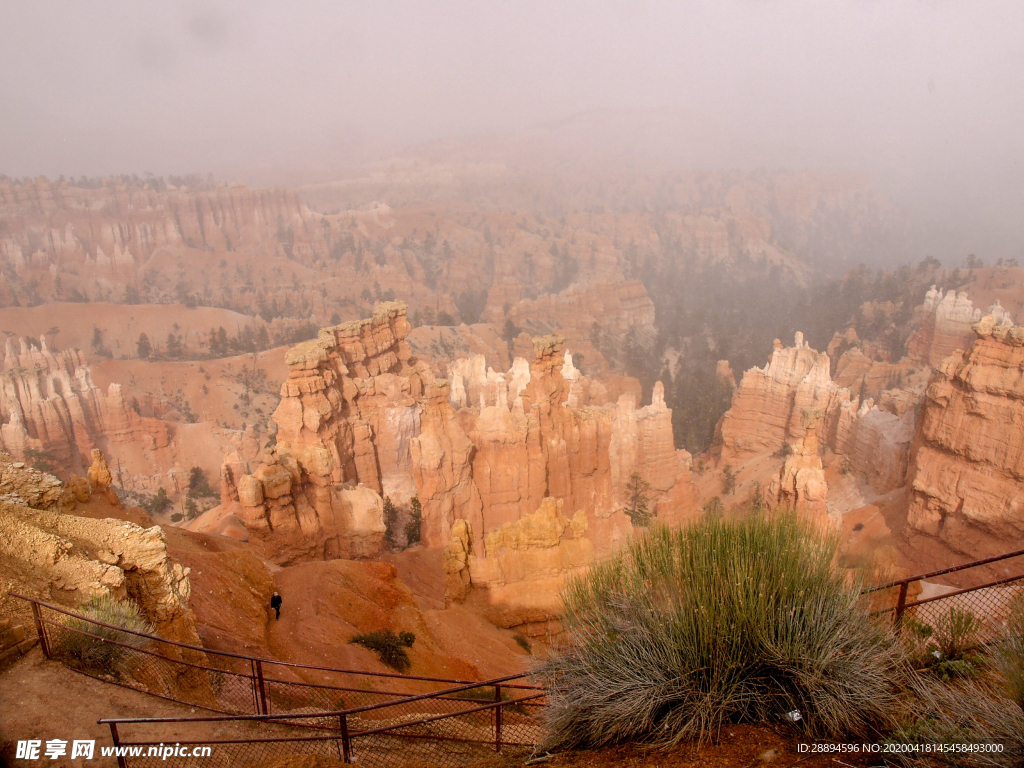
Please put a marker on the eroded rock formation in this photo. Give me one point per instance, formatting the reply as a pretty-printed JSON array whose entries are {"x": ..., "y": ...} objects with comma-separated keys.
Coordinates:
[
  {"x": 800, "y": 484},
  {"x": 49, "y": 402},
  {"x": 348, "y": 414},
  {"x": 769, "y": 416},
  {"x": 361, "y": 418}
]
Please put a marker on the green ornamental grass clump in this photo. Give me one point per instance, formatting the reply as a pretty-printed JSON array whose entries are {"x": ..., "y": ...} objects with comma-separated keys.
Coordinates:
[{"x": 723, "y": 621}]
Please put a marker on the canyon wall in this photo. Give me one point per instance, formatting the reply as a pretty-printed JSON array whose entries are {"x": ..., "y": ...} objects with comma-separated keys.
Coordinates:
[{"x": 117, "y": 227}]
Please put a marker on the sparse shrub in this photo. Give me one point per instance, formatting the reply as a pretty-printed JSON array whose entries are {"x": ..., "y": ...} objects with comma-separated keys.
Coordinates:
[
  {"x": 389, "y": 647},
  {"x": 947, "y": 650},
  {"x": 967, "y": 712},
  {"x": 784, "y": 451},
  {"x": 722, "y": 621},
  {"x": 728, "y": 480},
  {"x": 523, "y": 643},
  {"x": 42, "y": 460},
  {"x": 92, "y": 653},
  {"x": 714, "y": 508},
  {"x": 956, "y": 641},
  {"x": 198, "y": 485},
  {"x": 159, "y": 503}
]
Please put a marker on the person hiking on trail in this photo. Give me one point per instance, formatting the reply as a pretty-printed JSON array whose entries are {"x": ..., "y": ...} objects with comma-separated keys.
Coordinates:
[{"x": 275, "y": 603}]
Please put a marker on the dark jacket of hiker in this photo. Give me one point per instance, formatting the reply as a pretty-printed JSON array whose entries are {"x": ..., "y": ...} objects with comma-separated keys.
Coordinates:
[{"x": 275, "y": 603}]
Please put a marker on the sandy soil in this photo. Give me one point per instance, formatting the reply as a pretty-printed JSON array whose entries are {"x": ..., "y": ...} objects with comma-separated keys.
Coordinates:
[
  {"x": 214, "y": 390},
  {"x": 741, "y": 746},
  {"x": 41, "y": 699}
]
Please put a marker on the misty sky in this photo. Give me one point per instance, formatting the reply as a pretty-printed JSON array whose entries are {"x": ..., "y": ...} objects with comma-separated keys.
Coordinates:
[{"x": 926, "y": 94}]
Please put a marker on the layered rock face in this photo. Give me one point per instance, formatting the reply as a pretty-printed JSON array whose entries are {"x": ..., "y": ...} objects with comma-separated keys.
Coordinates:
[
  {"x": 946, "y": 325},
  {"x": 519, "y": 581},
  {"x": 49, "y": 402},
  {"x": 360, "y": 418},
  {"x": 968, "y": 459},
  {"x": 800, "y": 483},
  {"x": 544, "y": 430}
]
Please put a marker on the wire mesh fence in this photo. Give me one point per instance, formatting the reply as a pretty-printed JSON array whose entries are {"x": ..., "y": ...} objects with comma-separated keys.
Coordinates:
[
  {"x": 980, "y": 603},
  {"x": 454, "y": 727},
  {"x": 386, "y": 719}
]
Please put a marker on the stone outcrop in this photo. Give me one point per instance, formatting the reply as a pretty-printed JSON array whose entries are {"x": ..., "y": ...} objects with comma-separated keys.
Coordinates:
[
  {"x": 518, "y": 582},
  {"x": 67, "y": 559},
  {"x": 48, "y": 402},
  {"x": 25, "y": 486},
  {"x": 968, "y": 457},
  {"x": 768, "y": 404}
]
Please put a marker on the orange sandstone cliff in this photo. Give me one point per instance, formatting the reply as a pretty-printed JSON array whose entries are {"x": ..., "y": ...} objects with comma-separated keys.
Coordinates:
[{"x": 968, "y": 461}]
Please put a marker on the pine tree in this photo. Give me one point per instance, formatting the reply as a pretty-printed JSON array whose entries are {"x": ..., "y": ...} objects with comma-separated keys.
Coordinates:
[
  {"x": 143, "y": 347},
  {"x": 638, "y": 501}
]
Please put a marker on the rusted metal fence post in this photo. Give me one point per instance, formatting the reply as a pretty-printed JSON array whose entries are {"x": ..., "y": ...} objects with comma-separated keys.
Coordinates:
[
  {"x": 497, "y": 719},
  {"x": 44, "y": 643},
  {"x": 259, "y": 687},
  {"x": 122, "y": 761},
  {"x": 346, "y": 746},
  {"x": 901, "y": 606}
]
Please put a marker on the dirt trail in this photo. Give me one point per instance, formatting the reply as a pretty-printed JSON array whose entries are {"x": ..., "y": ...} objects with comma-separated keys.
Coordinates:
[{"x": 41, "y": 699}]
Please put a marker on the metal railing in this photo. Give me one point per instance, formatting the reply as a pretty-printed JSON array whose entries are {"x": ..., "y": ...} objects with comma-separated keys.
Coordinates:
[
  {"x": 450, "y": 727},
  {"x": 989, "y": 602},
  {"x": 219, "y": 681}
]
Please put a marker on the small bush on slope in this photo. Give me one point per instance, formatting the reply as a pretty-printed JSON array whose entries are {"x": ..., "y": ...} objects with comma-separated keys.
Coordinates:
[
  {"x": 92, "y": 653},
  {"x": 389, "y": 647},
  {"x": 722, "y": 621}
]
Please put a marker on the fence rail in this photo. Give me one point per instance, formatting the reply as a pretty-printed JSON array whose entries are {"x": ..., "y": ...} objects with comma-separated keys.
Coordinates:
[
  {"x": 443, "y": 728},
  {"x": 989, "y": 602}
]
